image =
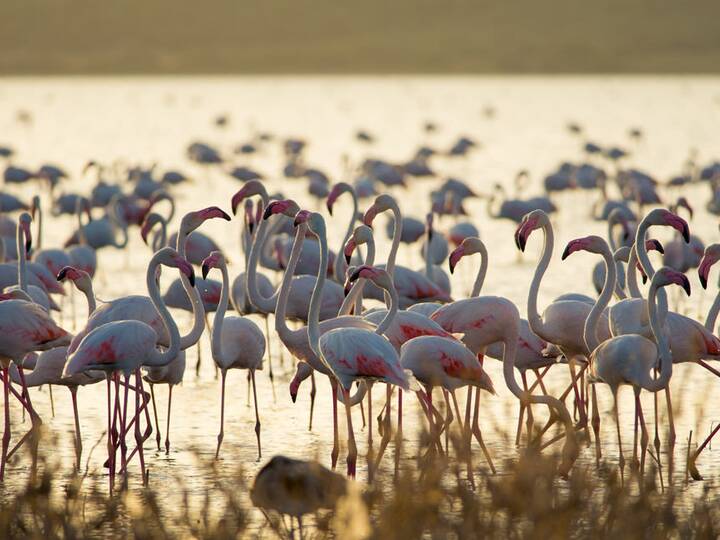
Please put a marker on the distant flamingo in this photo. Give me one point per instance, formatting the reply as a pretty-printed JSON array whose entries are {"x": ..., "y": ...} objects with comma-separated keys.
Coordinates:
[{"x": 237, "y": 343}]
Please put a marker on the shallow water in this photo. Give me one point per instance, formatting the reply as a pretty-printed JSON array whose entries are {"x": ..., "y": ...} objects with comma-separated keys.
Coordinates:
[{"x": 153, "y": 120}]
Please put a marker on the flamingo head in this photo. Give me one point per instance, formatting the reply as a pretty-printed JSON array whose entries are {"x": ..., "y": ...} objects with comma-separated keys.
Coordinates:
[
  {"x": 593, "y": 244},
  {"x": 530, "y": 222},
  {"x": 35, "y": 206},
  {"x": 157, "y": 196},
  {"x": 193, "y": 220},
  {"x": 286, "y": 207},
  {"x": 361, "y": 235},
  {"x": 303, "y": 372},
  {"x": 349, "y": 284},
  {"x": 682, "y": 202},
  {"x": 148, "y": 224},
  {"x": 24, "y": 223},
  {"x": 710, "y": 257},
  {"x": 469, "y": 245},
  {"x": 381, "y": 204},
  {"x": 337, "y": 190},
  {"x": 214, "y": 260},
  {"x": 618, "y": 216},
  {"x": 249, "y": 216},
  {"x": 169, "y": 257},
  {"x": 377, "y": 275},
  {"x": 316, "y": 224},
  {"x": 80, "y": 278},
  {"x": 301, "y": 217},
  {"x": 667, "y": 276},
  {"x": 660, "y": 216},
  {"x": 429, "y": 225},
  {"x": 249, "y": 189}
]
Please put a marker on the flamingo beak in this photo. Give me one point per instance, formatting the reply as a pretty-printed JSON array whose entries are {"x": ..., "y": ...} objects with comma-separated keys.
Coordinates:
[
  {"x": 61, "y": 274},
  {"x": 455, "y": 257},
  {"x": 657, "y": 246},
  {"x": 28, "y": 238},
  {"x": 369, "y": 216},
  {"x": 567, "y": 252},
  {"x": 205, "y": 270},
  {"x": 348, "y": 250},
  {"x": 685, "y": 283}
]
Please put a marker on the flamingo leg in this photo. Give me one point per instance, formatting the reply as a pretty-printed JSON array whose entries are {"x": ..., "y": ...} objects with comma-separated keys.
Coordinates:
[
  {"x": 621, "y": 460},
  {"x": 78, "y": 438},
  {"x": 466, "y": 434},
  {"x": 269, "y": 356},
  {"x": 167, "y": 421},
  {"x": 362, "y": 412},
  {"x": 477, "y": 433},
  {"x": 352, "y": 448},
  {"x": 257, "y": 414},
  {"x": 671, "y": 419},
  {"x": 157, "y": 425},
  {"x": 52, "y": 401},
  {"x": 123, "y": 430},
  {"x": 370, "y": 430},
  {"x": 223, "y": 374},
  {"x": 138, "y": 435},
  {"x": 530, "y": 421},
  {"x": 644, "y": 438},
  {"x": 336, "y": 443},
  {"x": 399, "y": 420},
  {"x": 387, "y": 429},
  {"x": 635, "y": 464},
  {"x": 115, "y": 432},
  {"x": 199, "y": 358},
  {"x": 596, "y": 425},
  {"x": 110, "y": 445},
  {"x": 313, "y": 391},
  {"x": 6, "y": 433}
]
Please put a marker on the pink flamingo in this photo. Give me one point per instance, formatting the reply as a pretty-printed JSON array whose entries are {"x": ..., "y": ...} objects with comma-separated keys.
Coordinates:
[
  {"x": 237, "y": 342},
  {"x": 412, "y": 287},
  {"x": 484, "y": 320},
  {"x": 531, "y": 350},
  {"x": 630, "y": 358},
  {"x": 337, "y": 190},
  {"x": 24, "y": 327},
  {"x": 353, "y": 353},
  {"x": 297, "y": 341},
  {"x": 562, "y": 322},
  {"x": 127, "y": 345},
  {"x": 301, "y": 286}
]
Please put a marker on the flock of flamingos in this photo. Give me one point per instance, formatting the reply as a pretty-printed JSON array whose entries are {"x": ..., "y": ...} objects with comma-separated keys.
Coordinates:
[{"x": 424, "y": 343}]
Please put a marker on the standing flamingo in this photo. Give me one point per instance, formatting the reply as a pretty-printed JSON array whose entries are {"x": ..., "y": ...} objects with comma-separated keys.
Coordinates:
[
  {"x": 237, "y": 342},
  {"x": 127, "y": 345}
]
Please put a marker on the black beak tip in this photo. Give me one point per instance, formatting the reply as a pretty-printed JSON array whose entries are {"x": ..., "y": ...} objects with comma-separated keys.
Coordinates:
[
  {"x": 225, "y": 216},
  {"x": 644, "y": 279},
  {"x": 565, "y": 254},
  {"x": 686, "y": 234},
  {"x": 452, "y": 268},
  {"x": 329, "y": 208},
  {"x": 293, "y": 397},
  {"x": 191, "y": 278},
  {"x": 703, "y": 282},
  {"x": 686, "y": 286},
  {"x": 61, "y": 275},
  {"x": 348, "y": 258},
  {"x": 267, "y": 213},
  {"x": 205, "y": 270}
]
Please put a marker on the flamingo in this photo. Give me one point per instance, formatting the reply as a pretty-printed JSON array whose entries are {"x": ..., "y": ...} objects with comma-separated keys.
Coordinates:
[
  {"x": 301, "y": 286},
  {"x": 127, "y": 345},
  {"x": 562, "y": 322},
  {"x": 237, "y": 342},
  {"x": 100, "y": 233},
  {"x": 297, "y": 341},
  {"x": 412, "y": 287},
  {"x": 24, "y": 327},
  {"x": 354, "y": 353},
  {"x": 336, "y": 191},
  {"x": 630, "y": 358},
  {"x": 435, "y": 251},
  {"x": 488, "y": 319},
  {"x": 531, "y": 351}
]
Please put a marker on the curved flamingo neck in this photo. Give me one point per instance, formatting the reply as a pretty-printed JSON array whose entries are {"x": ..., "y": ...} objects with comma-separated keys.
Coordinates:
[
  {"x": 482, "y": 272},
  {"x": 632, "y": 273},
  {"x": 262, "y": 303},
  {"x": 314, "y": 312},
  {"x": 340, "y": 264},
  {"x": 355, "y": 297},
  {"x": 161, "y": 358},
  {"x": 21, "y": 257},
  {"x": 39, "y": 242},
  {"x": 160, "y": 239},
  {"x": 82, "y": 239},
  {"x": 642, "y": 255},
  {"x": 392, "y": 307},
  {"x": 397, "y": 233},
  {"x": 590, "y": 330},
  {"x": 216, "y": 341},
  {"x": 650, "y": 384},
  {"x": 713, "y": 313},
  {"x": 113, "y": 215},
  {"x": 284, "y": 293},
  {"x": 198, "y": 308},
  {"x": 534, "y": 318}
]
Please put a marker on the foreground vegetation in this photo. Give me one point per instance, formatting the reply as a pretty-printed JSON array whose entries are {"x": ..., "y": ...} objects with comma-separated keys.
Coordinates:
[{"x": 428, "y": 497}]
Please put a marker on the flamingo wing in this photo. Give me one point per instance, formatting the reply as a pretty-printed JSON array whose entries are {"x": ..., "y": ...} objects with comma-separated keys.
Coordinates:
[{"x": 25, "y": 327}]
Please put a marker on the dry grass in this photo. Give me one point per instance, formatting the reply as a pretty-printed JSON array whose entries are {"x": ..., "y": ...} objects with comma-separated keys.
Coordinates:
[{"x": 429, "y": 497}]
